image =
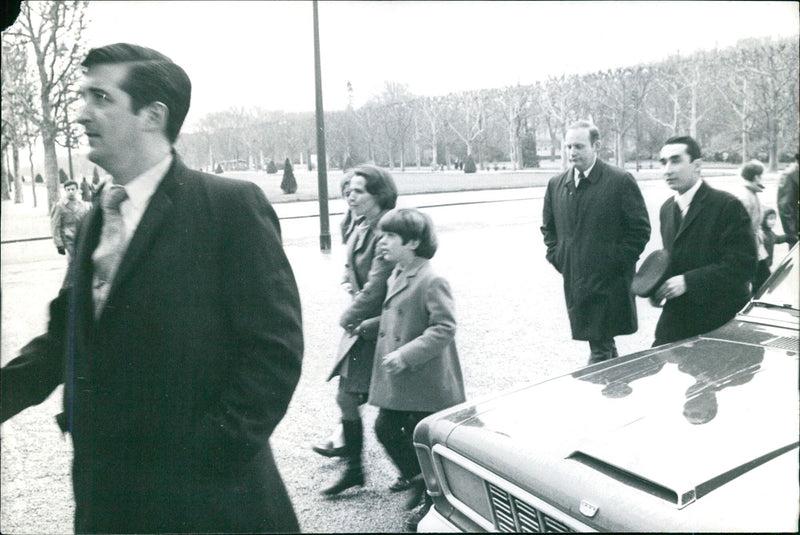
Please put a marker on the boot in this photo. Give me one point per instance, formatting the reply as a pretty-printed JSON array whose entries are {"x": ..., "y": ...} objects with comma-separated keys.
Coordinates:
[{"x": 353, "y": 475}]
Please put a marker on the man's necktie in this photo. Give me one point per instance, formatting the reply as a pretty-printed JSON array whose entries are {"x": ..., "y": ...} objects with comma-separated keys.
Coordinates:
[
  {"x": 109, "y": 251},
  {"x": 581, "y": 177},
  {"x": 678, "y": 215}
]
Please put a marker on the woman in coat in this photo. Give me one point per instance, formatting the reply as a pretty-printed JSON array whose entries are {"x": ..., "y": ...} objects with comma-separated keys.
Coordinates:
[
  {"x": 416, "y": 370},
  {"x": 371, "y": 193}
]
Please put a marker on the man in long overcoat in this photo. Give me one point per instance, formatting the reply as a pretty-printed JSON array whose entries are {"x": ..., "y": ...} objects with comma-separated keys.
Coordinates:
[
  {"x": 595, "y": 226},
  {"x": 179, "y": 362}
]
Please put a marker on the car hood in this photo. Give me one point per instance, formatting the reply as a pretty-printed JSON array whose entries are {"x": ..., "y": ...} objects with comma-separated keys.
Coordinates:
[{"x": 668, "y": 415}]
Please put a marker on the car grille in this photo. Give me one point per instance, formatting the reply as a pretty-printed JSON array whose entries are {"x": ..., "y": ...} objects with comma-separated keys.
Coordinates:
[{"x": 512, "y": 515}]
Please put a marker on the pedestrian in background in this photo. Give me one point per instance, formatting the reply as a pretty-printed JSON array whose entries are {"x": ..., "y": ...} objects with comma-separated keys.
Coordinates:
[
  {"x": 417, "y": 371},
  {"x": 67, "y": 215},
  {"x": 595, "y": 226},
  {"x": 372, "y": 192},
  {"x": 789, "y": 199},
  {"x": 86, "y": 191},
  {"x": 712, "y": 251},
  {"x": 752, "y": 173},
  {"x": 769, "y": 239},
  {"x": 180, "y": 341}
]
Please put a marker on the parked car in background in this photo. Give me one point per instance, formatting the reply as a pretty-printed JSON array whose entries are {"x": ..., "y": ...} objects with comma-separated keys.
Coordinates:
[{"x": 697, "y": 435}]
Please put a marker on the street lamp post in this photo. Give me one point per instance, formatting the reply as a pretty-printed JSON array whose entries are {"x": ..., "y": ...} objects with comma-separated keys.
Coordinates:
[{"x": 322, "y": 167}]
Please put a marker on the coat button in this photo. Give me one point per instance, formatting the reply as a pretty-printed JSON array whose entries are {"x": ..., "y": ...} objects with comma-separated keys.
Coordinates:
[{"x": 383, "y": 334}]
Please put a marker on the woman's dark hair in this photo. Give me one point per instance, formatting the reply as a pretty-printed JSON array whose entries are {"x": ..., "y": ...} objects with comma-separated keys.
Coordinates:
[
  {"x": 380, "y": 184},
  {"x": 151, "y": 77},
  {"x": 767, "y": 212},
  {"x": 411, "y": 224}
]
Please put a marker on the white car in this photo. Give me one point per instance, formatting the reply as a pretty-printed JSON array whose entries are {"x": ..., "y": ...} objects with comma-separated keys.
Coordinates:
[{"x": 699, "y": 435}]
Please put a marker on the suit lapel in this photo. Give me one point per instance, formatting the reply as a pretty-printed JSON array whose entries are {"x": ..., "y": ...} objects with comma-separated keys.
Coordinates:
[
  {"x": 402, "y": 281},
  {"x": 694, "y": 208},
  {"x": 83, "y": 269},
  {"x": 158, "y": 209}
]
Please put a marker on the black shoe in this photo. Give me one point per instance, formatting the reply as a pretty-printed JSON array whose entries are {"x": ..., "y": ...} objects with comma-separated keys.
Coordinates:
[
  {"x": 413, "y": 520},
  {"x": 417, "y": 491},
  {"x": 352, "y": 477},
  {"x": 328, "y": 450},
  {"x": 400, "y": 484}
]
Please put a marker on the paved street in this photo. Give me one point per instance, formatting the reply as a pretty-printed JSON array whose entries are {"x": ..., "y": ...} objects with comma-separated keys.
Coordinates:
[{"x": 512, "y": 328}]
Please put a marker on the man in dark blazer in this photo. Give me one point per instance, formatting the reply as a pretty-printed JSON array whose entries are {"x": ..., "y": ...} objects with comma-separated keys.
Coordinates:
[
  {"x": 712, "y": 249},
  {"x": 595, "y": 226},
  {"x": 179, "y": 366}
]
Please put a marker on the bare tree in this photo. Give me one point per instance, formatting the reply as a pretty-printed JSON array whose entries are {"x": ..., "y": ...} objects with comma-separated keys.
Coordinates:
[
  {"x": 465, "y": 118},
  {"x": 17, "y": 104},
  {"x": 52, "y": 32}
]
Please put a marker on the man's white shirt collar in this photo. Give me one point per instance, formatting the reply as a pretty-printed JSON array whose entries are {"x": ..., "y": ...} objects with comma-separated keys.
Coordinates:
[
  {"x": 585, "y": 173},
  {"x": 139, "y": 191},
  {"x": 684, "y": 199}
]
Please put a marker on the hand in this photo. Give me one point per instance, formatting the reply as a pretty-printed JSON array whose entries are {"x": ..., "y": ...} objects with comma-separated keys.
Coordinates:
[
  {"x": 672, "y": 288},
  {"x": 658, "y": 303},
  {"x": 393, "y": 363},
  {"x": 61, "y": 250}
]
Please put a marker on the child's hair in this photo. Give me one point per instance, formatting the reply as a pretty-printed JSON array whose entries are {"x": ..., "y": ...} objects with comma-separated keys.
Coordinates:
[
  {"x": 411, "y": 224},
  {"x": 768, "y": 212}
]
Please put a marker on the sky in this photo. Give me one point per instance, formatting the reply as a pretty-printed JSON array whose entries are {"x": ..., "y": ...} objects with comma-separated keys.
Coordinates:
[{"x": 261, "y": 53}]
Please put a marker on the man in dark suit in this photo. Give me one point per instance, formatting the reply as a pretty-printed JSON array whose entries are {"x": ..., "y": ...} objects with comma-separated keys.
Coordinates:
[
  {"x": 180, "y": 342},
  {"x": 711, "y": 245},
  {"x": 595, "y": 226}
]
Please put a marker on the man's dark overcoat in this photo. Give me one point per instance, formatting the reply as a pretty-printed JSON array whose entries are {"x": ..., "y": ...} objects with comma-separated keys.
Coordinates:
[
  {"x": 594, "y": 235},
  {"x": 172, "y": 393},
  {"x": 715, "y": 250},
  {"x": 366, "y": 271}
]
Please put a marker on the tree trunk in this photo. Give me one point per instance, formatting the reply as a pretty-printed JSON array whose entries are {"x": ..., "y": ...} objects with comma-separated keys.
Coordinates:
[
  {"x": 5, "y": 194},
  {"x": 50, "y": 167},
  {"x": 773, "y": 145},
  {"x": 434, "y": 152},
  {"x": 19, "y": 196},
  {"x": 620, "y": 156},
  {"x": 33, "y": 174},
  {"x": 69, "y": 155}
]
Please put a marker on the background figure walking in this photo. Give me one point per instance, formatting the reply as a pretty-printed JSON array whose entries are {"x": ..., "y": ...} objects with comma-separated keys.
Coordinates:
[
  {"x": 417, "y": 371},
  {"x": 595, "y": 226},
  {"x": 67, "y": 215},
  {"x": 371, "y": 193},
  {"x": 752, "y": 173},
  {"x": 769, "y": 239},
  {"x": 789, "y": 200}
]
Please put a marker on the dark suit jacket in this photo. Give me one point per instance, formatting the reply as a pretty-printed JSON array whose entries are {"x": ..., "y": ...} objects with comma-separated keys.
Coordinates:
[
  {"x": 715, "y": 250},
  {"x": 594, "y": 236},
  {"x": 172, "y": 394}
]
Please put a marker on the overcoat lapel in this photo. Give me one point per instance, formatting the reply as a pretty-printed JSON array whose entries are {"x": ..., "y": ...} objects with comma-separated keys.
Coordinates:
[
  {"x": 694, "y": 209},
  {"x": 83, "y": 268},
  {"x": 154, "y": 216}
]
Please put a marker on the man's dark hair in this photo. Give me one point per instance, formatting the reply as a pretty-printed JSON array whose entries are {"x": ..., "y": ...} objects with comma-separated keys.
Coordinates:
[
  {"x": 151, "y": 77},
  {"x": 380, "y": 184},
  {"x": 69, "y": 183},
  {"x": 411, "y": 224},
  {"x": 692, "y": 147},
  {"x": 752, "y": 169},
  {"x": 594, "y": 132}
]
